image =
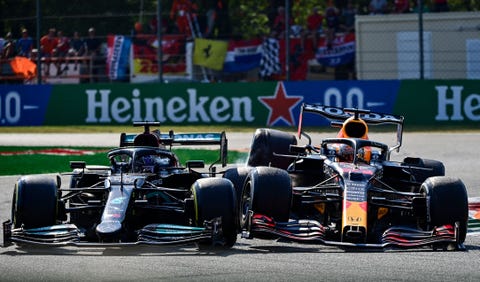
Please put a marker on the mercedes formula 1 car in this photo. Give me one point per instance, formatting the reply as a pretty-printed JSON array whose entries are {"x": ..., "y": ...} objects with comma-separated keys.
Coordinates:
[
  {"x": 346, "y": 190},
  {"x": 145, "y": 196}
]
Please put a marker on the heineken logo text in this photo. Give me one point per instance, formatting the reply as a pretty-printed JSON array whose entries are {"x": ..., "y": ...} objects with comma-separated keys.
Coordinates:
[{"x": 182, "y": 108}]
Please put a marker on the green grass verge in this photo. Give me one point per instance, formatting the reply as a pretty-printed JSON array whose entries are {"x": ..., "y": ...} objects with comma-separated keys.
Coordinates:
[{"x": 23, "y": 164}]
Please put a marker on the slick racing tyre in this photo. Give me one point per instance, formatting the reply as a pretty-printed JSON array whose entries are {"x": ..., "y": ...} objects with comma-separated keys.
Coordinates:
[
  {"x": 265, "y": 143},
  {"x": 34, "y": 202},
  {"x": 237, "y": 176},
  {"x": 215, "y": 197},
  {"x": 267, "y": 191},
  {"x": 447, "y": 203}
]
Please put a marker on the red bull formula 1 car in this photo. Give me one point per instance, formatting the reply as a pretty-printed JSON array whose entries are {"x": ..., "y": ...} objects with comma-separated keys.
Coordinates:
[
  {"x": 346, "y": 190},
  {"x": 145, "y": 196}
]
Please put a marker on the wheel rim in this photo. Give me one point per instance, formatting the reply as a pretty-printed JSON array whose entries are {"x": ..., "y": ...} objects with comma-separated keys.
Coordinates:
[
  {"x": 14, "y": 207},
  {"x": 245, "y": 205}
]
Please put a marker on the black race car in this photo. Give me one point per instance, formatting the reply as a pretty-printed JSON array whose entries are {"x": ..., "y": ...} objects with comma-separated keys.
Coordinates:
[
  {"x": 145, "y": 196},
  {"x": 346, "y": 191}
]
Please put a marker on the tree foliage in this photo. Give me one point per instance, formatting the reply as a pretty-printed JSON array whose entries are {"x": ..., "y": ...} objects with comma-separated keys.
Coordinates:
[
  {"x": 250, "y": 19},
  {"x": 246, "y": 18}
]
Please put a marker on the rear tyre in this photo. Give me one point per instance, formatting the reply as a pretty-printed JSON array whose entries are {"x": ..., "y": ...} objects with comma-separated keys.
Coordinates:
[
  {"x": 265, "y": 143},
  {"x": 34, "y": 202},
  {"x": 447, "y": 203},
  {"x": 432, "y": 168},
  {"x": 215, "y": 197},
  {"x": 267, "y": 191}
]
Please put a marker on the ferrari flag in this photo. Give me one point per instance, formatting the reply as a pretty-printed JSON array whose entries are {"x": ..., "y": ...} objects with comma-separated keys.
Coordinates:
[{"x": 210, "y": 53}]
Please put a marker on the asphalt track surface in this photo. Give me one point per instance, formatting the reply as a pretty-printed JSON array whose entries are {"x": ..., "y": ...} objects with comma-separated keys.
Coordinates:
[{"x": 251, "y": 260}]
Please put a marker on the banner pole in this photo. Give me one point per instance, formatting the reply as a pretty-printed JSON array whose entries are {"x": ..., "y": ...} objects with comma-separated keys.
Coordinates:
[
  {"x": 39, "y": 53},
  {"x": 159, "y": 39},
  {"x": 287, "y": 39}
]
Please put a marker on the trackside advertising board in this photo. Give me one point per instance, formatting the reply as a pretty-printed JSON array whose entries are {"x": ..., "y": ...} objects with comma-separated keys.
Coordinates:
[{"x": 264, "y": 104}]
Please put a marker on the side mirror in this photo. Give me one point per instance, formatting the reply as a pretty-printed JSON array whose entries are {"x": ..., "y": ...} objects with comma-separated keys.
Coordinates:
[
  {"x": 195, "y": 164},
  {"x": 297, "y": 149},
  {"x": 224, "y": 149},
  {"x": 78, "y": 164}
]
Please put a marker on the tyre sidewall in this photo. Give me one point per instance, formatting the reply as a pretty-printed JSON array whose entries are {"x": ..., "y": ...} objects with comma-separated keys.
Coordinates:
[
  {"x": 447, "y": 202},
  {"x": 270, "y": 192},
  {"x": 215, "y": 197},
  {"x": 34, "y": 202}
]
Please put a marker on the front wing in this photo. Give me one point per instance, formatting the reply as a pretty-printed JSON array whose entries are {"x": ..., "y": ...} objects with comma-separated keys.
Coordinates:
[
  {"x": 152, "y": 234},
  {"x": 311, "y": 231}
]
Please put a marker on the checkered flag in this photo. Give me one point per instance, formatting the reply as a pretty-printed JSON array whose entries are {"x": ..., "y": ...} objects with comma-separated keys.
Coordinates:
[{"x": 270, "y": 63}]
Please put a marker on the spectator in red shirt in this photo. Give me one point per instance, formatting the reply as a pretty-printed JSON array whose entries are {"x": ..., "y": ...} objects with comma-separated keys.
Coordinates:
[
  {"x": 314, "y": 27},
  {"x": 181, "y": 12},
  {"x": 279, "y": 26},
  {"x": 153, "y": 25},
  {"x": 63, "y": 45},
  {"x": 48, "y": 45},
  {"x": 401, "y": 6}
]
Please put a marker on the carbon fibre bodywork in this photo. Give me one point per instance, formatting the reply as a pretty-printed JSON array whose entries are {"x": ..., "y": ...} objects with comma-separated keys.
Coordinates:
[
  {"x": 145, "y": 196},
  {"x": 348, "y": 192}
]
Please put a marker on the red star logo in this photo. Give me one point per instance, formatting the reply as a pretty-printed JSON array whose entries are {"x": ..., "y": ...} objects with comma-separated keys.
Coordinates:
[{"x": 280, "y": 105}]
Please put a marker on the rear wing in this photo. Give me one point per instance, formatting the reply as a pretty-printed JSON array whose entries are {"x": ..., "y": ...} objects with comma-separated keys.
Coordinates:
[
  {"x": 179, "y": 139},
  {"x": 337, "y": 116}
]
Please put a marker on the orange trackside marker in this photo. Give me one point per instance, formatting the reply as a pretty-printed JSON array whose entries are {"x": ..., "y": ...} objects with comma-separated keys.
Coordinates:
[{"x": 354, "y": 214}]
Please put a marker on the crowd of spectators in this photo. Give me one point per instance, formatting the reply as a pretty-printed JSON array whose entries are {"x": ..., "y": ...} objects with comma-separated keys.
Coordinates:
[
  {"x": 337, "y": 16},
  {"x": 54, "y": 49},
  {"x": 376, "y": 7}
]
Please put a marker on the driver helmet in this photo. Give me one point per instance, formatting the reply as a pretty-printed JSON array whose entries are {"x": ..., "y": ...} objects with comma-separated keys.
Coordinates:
[
  {"x": 344, "y": 153},
  {"x": 152, "y": 163}
]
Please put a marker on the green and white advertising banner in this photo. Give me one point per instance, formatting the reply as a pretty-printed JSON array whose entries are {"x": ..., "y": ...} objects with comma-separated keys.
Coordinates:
[{"x": 428, "y": 103}]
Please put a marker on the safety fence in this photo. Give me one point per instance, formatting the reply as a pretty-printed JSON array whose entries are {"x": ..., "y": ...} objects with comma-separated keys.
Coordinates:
[{"x": 389, "y": 46}]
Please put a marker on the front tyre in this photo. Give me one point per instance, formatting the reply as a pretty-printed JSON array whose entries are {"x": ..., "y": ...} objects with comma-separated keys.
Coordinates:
[
  {"x": 447, "y": 203},
  {"x": 34, "y": 202},
  {"x": 215, "y": 197},
  {"x": 267, "y": 191}
]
